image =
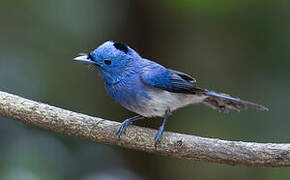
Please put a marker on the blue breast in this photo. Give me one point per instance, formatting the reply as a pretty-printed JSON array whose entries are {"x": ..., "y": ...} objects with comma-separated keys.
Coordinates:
[{"x": 130, "y": 92}]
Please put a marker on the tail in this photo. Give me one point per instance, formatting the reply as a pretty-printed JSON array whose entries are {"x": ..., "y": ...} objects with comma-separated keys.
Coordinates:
[{"x": 223, "y": 102}]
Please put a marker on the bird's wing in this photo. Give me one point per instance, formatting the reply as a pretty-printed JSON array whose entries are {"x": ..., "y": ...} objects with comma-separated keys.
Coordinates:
[
  {"x": 184, "y": 76},
  {"x": 169, "y": 80}
]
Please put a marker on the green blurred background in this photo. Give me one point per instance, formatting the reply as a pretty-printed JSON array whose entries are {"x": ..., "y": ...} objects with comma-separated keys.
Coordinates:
[{"x": 238, "y": 47}]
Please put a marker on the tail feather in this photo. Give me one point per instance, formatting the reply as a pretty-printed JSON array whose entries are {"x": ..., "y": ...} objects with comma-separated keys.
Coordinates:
[{"x": 223, "y": 102}]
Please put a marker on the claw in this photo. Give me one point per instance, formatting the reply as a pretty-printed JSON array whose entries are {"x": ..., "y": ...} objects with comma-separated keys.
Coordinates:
[
  {"x": 126, "y": 123},
  {"x": 158, "y": 135},
  {"x": 123, "y": 127}
]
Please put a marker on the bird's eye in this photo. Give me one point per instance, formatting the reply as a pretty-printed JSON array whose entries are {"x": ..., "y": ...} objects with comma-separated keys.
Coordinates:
[{"x": 108, "y": 62}]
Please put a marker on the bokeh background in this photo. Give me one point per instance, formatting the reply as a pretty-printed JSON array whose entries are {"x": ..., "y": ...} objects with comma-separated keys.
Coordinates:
[{"x": 238, "y": 47}]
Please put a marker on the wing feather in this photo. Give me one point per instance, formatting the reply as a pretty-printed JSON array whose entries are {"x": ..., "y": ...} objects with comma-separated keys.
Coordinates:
[{"x": 169, "y": 80}]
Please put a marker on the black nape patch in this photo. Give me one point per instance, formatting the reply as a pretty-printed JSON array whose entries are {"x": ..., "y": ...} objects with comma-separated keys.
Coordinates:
[{"x": 122, "y": 47}]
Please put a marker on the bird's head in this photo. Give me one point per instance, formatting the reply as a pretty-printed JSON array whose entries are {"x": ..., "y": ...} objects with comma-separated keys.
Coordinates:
[{"x": 112, "y": 59}]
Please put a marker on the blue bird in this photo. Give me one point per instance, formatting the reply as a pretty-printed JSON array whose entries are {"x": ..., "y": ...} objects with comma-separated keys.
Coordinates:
[{"x": 150, "y": 89}]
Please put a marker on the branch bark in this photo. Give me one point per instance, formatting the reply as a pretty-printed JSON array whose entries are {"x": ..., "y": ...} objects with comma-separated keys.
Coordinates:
[{"x": 139, "y": 138}]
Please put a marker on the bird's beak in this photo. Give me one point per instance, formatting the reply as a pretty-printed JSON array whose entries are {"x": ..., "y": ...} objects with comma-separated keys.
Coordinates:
[{"x": 84, "y": 58}]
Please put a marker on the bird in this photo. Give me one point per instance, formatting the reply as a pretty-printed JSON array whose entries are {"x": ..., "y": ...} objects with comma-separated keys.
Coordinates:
[{"x": 150, "y": 89}]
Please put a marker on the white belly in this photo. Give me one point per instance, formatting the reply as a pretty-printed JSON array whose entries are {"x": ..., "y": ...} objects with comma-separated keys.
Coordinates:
[{"x": 162, "y": 100}]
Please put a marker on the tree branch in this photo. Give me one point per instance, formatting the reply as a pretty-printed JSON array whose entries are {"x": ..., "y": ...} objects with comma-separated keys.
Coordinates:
[{"x": 139, "y": 138}]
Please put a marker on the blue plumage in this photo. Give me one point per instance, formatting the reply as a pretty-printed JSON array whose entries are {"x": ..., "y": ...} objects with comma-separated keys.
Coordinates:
[
  {"x": 160, "y": 77},
  {"x": 149, "y": 89}
]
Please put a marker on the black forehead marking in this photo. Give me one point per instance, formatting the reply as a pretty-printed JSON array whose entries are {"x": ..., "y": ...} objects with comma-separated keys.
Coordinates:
[
  {"x": 121, "y": 46},
  {"x": 90, "y": 56}
]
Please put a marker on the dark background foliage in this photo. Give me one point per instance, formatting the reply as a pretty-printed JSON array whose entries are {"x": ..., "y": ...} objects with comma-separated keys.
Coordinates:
[{"x": 238, "y": 47}]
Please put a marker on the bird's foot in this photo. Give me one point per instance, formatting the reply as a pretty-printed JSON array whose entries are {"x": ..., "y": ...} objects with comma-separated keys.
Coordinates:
[
  {"x": 161, "y": 128},
  {"x": 124, "y": 126},
  {"x": 158, "y": 135}
]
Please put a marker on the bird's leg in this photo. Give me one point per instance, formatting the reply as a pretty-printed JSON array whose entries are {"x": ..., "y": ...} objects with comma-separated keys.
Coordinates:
[
  {"x": 161, "y": 128},
  {"x": 126, "y": 123}
]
